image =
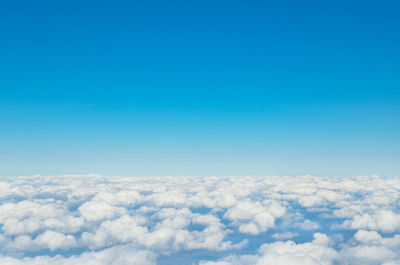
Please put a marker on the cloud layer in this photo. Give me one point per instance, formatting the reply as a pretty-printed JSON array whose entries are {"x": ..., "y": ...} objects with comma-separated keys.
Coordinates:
[{"x": 91, "y": 219}]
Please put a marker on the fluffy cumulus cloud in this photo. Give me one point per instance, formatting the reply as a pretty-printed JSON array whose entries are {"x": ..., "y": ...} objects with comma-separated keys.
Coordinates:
[
  {"x": 97, "y": 220},
  {"x": 287, "y": 253}
]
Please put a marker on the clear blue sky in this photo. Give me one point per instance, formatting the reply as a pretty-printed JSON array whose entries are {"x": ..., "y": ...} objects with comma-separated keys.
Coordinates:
[{"x": 199, "y": 87}]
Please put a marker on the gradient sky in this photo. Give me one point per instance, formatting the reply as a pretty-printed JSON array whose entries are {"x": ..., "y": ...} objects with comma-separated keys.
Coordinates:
[{"x": 200, "y": 87}]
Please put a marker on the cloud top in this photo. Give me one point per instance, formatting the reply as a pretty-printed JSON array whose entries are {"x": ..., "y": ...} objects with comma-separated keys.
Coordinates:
[{"x": 199, "y": 220}]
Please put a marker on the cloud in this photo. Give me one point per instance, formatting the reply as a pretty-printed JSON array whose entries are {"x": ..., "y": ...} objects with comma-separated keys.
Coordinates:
[
  {"x": 74, "y": 219},
  {"x": 54, "y": 240},
  {"x": 380, "y": 220},
  {"x": 96, "y": 211},
  {"x": 255, "y": 217},
  {"x": 284, "y": 236},
  {"x": 119, "y": 255},
  {"x": 307, "y": 225},
  {"x": 316, "y": 252}
]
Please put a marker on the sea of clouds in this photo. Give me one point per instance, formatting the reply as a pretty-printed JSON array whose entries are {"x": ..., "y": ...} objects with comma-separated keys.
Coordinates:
[{"x": 307, "y": 220}]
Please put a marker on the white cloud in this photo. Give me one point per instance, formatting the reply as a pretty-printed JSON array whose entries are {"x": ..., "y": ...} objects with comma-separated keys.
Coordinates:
[
  {"x": 316, "y": 252},
  {"x": 307, "y": 225},
  {"x": 119, "y": 255},
  {"x": 96, "y": 211},
  {"x": 380, "y": 220},
  {"x": 216, "y": 220},
  {"x": 254, "y": 217},
  {"x": 54, "y": 240},
  {"x": 371, "y": 248},
  {"x": 284, "y": 236}
]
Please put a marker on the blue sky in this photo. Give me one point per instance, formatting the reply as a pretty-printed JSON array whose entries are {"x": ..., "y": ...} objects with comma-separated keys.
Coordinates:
[{"x": 200, "y": 87}]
